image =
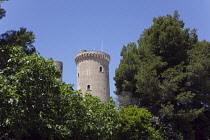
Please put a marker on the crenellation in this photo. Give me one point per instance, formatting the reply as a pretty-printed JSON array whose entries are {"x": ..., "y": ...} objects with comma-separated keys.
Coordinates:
[{"x": 91, "y": 54}]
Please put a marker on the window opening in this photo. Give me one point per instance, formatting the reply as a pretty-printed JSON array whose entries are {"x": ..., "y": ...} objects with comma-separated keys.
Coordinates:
[
  {"x": 88, "y": 72},
  {"x": 88, "y": 87},
  {"x": 100, "y": 69},
  {"x": 78, "y": 75}
]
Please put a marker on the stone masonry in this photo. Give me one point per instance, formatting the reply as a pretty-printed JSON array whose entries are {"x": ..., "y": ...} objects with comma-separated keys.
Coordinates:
[
  {"x": 93, "y": 73},
  {"x": 59, "y": 67}
]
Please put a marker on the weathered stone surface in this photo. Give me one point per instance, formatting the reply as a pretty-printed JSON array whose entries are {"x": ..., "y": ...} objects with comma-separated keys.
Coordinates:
[
  {"x": 93, "y": 73},
  {"x": 59, "y": 67}
]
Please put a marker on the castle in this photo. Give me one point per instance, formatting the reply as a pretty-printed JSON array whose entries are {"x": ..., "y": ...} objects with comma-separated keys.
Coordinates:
[{"x": 92, "y": 73}]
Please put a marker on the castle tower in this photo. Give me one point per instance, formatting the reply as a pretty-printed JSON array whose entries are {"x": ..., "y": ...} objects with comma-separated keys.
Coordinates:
[
  {"x": 59, "y": 67},
  {"x": 93, "y": 73}
]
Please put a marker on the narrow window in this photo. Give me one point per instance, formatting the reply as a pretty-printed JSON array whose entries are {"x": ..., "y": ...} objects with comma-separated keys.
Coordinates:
[
  {"x": 78, "y": 75},
  {"x": 88, "y": 87},
  {"x": 100, "y": 69},
  {"x": 88, "y": 72}
]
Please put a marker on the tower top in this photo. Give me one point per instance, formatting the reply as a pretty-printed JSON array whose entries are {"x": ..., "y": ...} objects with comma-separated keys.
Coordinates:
[
  {"x": 84, "y": 54},
  {"x": 82, "y": 51}
]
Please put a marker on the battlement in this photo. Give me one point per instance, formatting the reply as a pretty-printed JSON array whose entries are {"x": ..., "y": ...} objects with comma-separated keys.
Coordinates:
[{"x": 83, "y": 55}]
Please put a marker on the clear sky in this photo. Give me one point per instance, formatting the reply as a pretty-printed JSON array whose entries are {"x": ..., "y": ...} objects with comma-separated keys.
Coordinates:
[{"x": 63, "y": 27}]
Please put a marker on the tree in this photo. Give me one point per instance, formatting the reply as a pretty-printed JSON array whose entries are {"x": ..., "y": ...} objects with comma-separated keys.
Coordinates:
[
  {"x": 2, "y": 11},
  {"x": 34, "y": 105},
  {"x": 101, "y": 120},
  {"x": 198, "y": 81},
  {"x": 22, "y": 38},
  {"x": 27, "y": 84},
  {"x": 135, "y": 124},
  {"x": 168, "y": 73}
]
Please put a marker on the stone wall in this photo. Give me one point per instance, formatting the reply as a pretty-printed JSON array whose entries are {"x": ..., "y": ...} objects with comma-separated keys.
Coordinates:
[
  {"x": 59, "y": 67},
  {"x": 93, "y": 73}
]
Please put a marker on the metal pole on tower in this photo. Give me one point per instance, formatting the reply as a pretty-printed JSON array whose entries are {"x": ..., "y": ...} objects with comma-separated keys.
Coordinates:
[{"x": 102, "y": 46}]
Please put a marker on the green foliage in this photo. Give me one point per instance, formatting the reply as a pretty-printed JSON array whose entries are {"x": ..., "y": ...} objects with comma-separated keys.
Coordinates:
[
  {"x": 101, "y": 120},
  {"x": 135, "y": 124},
  {"x": 33, "y": 105},
  {"x": 26, "y": 93},
  {"x": 125, "y": 80},
  {"x": 168, "y": 74},
  {"x": 21, "y": 38},
  {"x": 168, "y": 38}
]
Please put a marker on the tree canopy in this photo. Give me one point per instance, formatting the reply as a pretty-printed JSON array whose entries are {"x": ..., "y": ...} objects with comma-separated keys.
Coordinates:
[
  {"x": 21, "y": 37},
  {"x": 167, "y": 72},
  {"x": 34, "y": 105}
]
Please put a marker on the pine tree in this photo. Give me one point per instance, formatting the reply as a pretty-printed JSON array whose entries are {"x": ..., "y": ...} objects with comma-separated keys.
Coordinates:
[{"x": 167, "y": 72}]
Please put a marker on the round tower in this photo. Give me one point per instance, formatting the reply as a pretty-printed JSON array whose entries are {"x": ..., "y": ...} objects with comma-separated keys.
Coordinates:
[
  {"x": 93, "y": 73},
  {"x": 59, "y": 67}
]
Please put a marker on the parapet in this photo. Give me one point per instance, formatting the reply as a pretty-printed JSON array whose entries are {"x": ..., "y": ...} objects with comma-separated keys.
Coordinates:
[{"x": 83, "y": 55}]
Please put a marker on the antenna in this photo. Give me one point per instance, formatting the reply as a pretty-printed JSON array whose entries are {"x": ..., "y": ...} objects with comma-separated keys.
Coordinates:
[{"x": 102, "y": 46}]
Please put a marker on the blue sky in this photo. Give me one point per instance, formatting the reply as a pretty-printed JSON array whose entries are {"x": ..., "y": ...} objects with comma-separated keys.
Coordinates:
[{"x": 63, "y": 27}]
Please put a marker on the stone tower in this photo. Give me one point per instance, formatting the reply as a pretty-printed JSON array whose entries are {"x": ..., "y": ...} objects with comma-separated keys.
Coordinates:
[
  {"x": 59, "y": 67},
  {"x": 93, "y": 73}
]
